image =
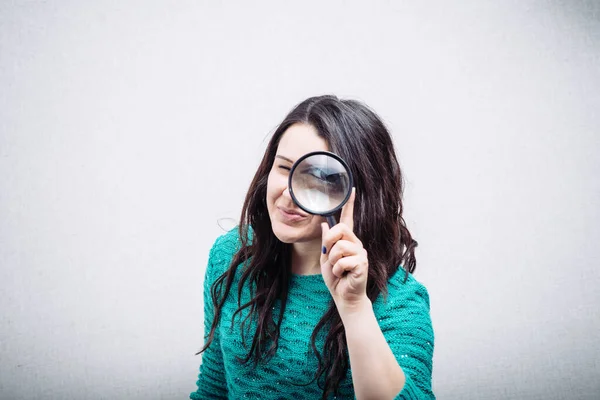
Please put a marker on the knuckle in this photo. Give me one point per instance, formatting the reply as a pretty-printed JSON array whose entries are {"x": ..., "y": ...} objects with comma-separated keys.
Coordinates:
[{"x": 345, "y": 245}]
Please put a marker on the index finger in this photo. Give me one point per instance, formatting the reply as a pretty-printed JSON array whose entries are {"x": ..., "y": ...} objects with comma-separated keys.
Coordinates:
[{"x": 347, "y": 216}]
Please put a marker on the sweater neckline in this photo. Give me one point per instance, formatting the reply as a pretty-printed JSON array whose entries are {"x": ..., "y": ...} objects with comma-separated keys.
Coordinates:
[
  {"x": 306, "y": 277},
  {"x": 313, "y": 280}
]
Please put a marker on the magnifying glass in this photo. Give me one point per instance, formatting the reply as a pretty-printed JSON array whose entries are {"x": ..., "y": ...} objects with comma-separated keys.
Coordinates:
[{"x": 320, "y": 183}]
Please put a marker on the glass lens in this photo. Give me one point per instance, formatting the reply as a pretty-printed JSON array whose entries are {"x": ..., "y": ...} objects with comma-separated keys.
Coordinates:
[{"x": 320, "y": 183}]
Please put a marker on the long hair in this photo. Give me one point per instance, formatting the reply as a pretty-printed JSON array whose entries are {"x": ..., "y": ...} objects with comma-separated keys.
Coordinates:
[{"x": 356, "y": 133}]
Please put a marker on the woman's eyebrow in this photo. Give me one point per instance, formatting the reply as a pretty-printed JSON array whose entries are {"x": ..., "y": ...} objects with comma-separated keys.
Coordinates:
[{"x": 284, "y": 158}]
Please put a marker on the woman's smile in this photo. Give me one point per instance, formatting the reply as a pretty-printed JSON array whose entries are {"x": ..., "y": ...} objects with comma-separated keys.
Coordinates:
[{"x": 290, "y": 215}]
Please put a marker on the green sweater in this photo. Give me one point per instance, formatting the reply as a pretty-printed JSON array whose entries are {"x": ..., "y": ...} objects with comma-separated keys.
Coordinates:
[{"x": 403, "y": 317}]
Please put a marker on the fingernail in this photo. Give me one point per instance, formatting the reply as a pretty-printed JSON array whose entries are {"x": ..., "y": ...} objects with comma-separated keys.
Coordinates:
[{"x": 324, "y": 250}]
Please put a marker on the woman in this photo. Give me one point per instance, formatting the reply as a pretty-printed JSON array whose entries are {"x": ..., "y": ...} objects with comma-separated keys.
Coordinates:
[{"x": 294, "y": 309}]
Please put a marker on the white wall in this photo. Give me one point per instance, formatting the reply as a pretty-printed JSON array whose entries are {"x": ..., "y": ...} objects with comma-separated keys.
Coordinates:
[{"x": 128, "y": 128}]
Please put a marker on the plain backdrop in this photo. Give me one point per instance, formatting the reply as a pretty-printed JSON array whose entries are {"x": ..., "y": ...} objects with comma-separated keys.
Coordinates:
[{"x": 129, "y": 128}]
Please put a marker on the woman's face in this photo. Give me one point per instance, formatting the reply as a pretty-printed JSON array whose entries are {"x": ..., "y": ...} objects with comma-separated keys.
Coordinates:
[{"x": 291, "y": 224}]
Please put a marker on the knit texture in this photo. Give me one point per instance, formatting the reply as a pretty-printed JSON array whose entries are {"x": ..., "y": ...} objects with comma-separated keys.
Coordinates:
[{"x": 403, "y": 317}]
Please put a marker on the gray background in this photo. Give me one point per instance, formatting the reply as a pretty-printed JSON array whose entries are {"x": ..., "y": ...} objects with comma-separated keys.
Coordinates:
[{"x": 127, "y": 129}]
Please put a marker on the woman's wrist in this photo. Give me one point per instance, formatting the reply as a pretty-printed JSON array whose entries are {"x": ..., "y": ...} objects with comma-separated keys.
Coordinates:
[{"x": 354, "y": 311}]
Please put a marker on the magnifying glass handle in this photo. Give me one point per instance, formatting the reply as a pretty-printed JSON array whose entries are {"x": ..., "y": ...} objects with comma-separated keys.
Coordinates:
[{"x": 331, "y": 220}]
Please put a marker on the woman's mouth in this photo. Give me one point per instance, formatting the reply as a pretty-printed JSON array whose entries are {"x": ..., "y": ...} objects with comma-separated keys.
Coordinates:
[{"x": 291, "y": 215}]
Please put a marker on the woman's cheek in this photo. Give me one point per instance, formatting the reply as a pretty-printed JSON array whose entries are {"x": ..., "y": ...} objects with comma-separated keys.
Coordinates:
[{"x": 273, "y": 185}]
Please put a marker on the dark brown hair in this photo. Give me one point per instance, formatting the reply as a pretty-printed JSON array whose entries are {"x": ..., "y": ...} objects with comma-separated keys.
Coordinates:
[{"x": 356, "y": 133}]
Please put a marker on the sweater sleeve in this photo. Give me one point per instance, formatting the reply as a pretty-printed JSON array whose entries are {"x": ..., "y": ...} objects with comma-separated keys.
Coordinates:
[
  {"x": 406, "y": 325},
  {"x": 211, "y": 380}
]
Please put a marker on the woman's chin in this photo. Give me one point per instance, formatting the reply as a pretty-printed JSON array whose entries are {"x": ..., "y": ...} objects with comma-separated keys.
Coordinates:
[
  {"x": 291, "y": 234},
  {"x": 287, "y": 234}
]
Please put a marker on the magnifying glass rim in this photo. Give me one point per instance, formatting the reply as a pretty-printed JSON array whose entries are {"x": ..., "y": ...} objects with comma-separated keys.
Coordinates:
[{"x": 341, "y": 161}]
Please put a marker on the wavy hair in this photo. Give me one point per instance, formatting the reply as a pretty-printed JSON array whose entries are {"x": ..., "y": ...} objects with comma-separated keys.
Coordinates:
[{"x": 357, "y": 134}]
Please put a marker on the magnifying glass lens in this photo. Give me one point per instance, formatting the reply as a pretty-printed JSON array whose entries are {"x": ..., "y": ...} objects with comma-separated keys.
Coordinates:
[{"x": 320, "y": 184}]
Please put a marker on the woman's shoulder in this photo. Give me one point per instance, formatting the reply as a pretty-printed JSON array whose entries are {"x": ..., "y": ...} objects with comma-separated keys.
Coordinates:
[
  {"x": 228, "y": 242},
  {"x": 407, "y": 284},
  {"x": 225, "y": 246},
  {"x": 403, "y": 290},
  {"x": 224, "y": 249}
]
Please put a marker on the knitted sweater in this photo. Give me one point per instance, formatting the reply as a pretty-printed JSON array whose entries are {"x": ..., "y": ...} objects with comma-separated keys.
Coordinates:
[{"x": 403, "y": 317}]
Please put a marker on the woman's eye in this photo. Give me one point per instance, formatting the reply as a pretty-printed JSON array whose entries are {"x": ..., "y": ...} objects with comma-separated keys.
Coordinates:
[{"x": 284, "y": 167}]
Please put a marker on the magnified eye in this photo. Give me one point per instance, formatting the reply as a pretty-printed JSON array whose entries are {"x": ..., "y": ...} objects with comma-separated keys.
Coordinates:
[
  {"x": 334, "y": 181},
  {"x": 320, "y": 174}
]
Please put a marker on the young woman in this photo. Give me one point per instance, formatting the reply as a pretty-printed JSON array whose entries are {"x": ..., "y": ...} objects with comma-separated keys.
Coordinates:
[{"x": 294, "y": 309}]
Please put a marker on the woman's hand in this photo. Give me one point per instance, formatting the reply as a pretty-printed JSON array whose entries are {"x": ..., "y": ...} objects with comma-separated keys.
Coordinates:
[{"x": 344, "y": 262}]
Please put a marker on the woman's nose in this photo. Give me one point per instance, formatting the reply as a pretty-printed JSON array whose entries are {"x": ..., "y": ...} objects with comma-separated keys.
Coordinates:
[{"x": 286, "y": 192}]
